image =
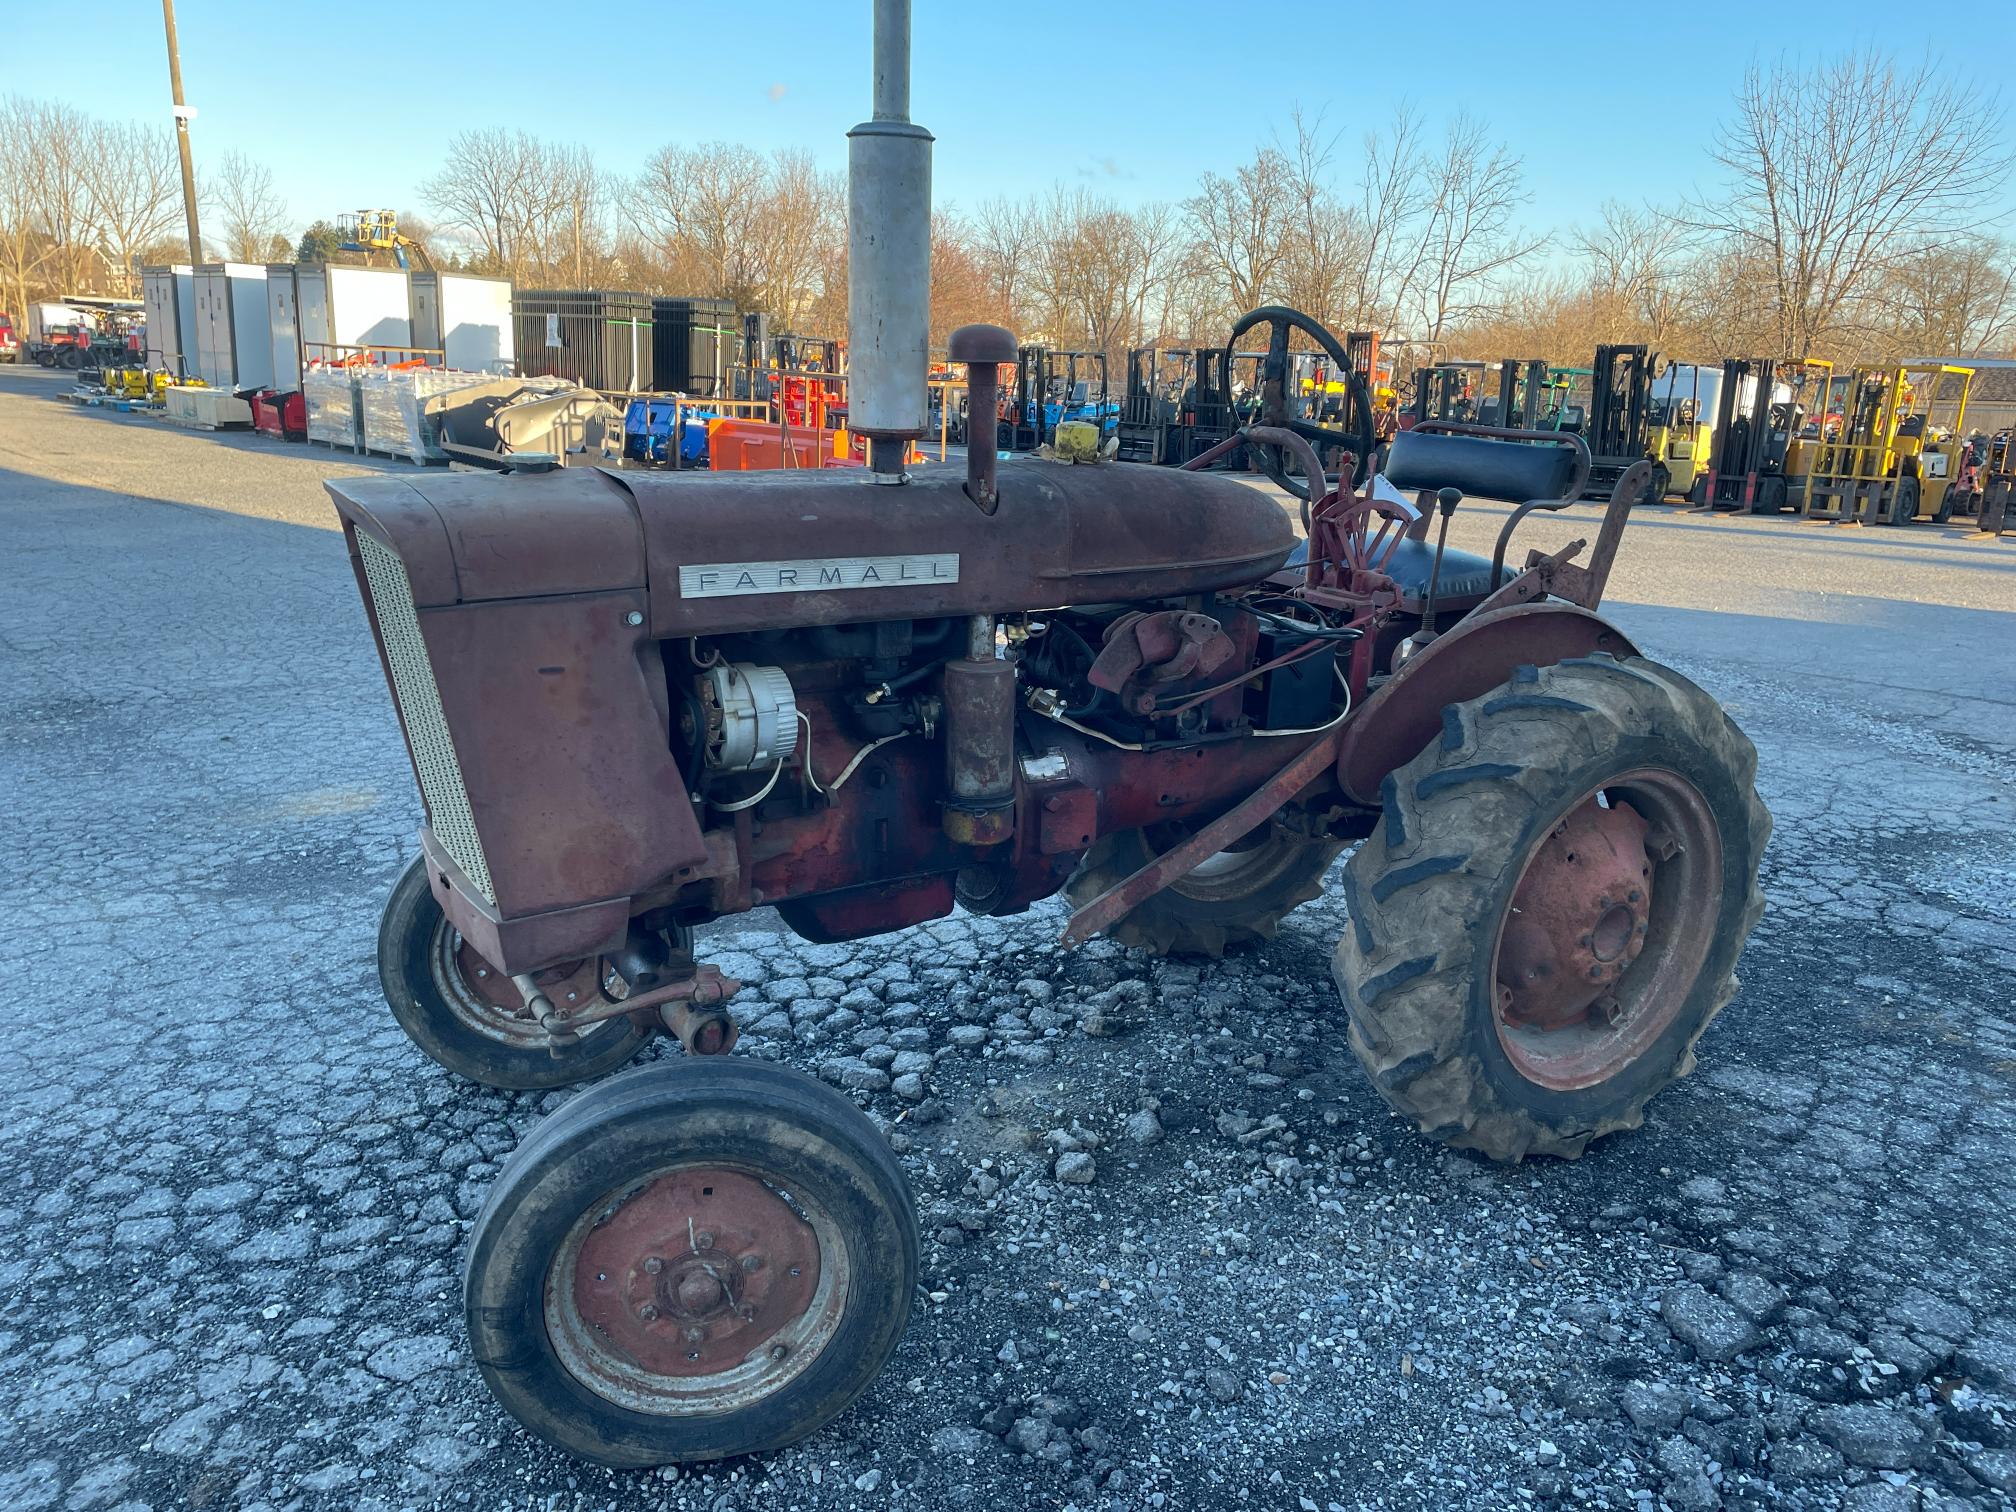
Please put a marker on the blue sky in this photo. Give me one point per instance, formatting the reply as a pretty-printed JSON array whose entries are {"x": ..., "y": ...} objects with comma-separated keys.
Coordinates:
[{"x": 350, "y": 102}]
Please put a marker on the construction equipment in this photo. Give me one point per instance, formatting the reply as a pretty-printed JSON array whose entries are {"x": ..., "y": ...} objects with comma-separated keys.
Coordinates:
[
  {"x": 1227, "y": 383},
  {"x": 1153, "y": 425},
  {"x": 1994, "y": 485},
  {"x": 1053, "y": 385},
  {"x": 640, "y": 701},
  {"x": 1760, "y": 453},
  {"x": 1520, "y": 400},
  {"x": 1897, "y": 447},
  {"x": 1447, "y": 391},
  {"x": 85, "y": 331},
  {"x": 370, "y": 231},
  {"x": 1618, "y": 429},
  {"x": 1679, "y": 434}
]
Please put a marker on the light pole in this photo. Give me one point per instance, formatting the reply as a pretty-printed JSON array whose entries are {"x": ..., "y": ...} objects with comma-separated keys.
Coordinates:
[{"x": 182, "y": 114}]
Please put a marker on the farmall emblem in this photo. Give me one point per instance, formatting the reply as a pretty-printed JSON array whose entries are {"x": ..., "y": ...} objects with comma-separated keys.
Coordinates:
[{"x": 727, "y": 579}]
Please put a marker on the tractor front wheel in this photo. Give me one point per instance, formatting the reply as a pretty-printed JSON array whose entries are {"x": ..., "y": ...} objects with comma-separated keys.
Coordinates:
[
  {"x": 1551, "y": 909},
  {"x": 468, "y": 1017},
  {"x": 696, "y": 1259},
  {"x": 1236, "y": 897}
]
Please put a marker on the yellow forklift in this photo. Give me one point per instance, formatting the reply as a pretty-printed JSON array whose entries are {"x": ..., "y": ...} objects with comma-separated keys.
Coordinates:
[
  {"x": 1766, "y": 435},
  {"x": 1896, "y": 453},
  {"x": 1677, "y": 432}
]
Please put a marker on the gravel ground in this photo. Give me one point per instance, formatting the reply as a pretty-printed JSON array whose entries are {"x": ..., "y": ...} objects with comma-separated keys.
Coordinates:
[{"x": 1177, "y": 1254}]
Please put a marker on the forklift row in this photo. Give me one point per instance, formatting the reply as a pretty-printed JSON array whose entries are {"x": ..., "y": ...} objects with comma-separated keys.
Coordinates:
[{"x": 1875, "y": 445}]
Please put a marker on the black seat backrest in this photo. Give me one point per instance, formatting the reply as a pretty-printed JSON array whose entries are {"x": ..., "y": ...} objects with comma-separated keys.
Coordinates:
[{"x": 1511, "y": 470}]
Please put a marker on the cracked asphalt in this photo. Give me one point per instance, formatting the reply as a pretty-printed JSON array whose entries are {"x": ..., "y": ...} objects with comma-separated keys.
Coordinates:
[{"x": 1177, "y": 1254}]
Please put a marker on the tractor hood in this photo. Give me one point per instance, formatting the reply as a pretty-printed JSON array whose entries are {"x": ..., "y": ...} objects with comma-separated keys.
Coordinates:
[{"x": 725, "y": 552}]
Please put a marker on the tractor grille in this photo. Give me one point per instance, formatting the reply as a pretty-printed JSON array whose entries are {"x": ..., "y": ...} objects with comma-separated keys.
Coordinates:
[{"x": 420, "y": 702}]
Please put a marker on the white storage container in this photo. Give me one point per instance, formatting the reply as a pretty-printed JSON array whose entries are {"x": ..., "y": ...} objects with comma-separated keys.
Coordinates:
[
  {"x": 468, "y": 318},
  {"x": 234, "y": 348},
  {"x": 283, "y": 325},
  {"x": 168, "y": 304},
  {"x": 344, "y": 308}
]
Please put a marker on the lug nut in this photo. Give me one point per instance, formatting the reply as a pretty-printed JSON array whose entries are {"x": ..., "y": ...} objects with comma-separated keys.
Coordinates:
[
  {"x": 695, "y": 1334},
  {"x": 778, "y": 1351},
  {"x": 648, "y": 1312},
  {"x": 653, "y": 1265},
  {"x": 703, "y": 1240},
  {"x": 752, "y": 1262}
]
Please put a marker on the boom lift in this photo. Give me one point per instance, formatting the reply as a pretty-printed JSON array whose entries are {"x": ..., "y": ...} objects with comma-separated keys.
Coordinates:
[{"x": 369, "y": 231}]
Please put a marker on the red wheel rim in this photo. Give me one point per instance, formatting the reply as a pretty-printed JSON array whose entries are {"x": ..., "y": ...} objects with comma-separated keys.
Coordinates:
[
  {"x": 700, "y": 1289},
  {"x": 1608, "y": 931},
  {"x": 485, "y": 999}
]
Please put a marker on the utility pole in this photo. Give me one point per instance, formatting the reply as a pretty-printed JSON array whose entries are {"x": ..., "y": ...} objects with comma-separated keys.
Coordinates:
[{"x": 182, "y": 115}]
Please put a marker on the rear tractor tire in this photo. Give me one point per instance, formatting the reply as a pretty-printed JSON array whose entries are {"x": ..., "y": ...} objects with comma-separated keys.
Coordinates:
[
  {"x": 467, "y": 1016},
  {"x": 1237, "y": 897},
  {"x": 1552, "y": 906}
]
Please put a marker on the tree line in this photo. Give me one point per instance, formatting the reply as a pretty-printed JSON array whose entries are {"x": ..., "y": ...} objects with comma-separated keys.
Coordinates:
[{"x": 1852, "y": 215}]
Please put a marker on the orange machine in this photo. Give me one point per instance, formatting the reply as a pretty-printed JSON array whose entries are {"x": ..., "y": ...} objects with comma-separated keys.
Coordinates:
[{"x": 758, "y": 445}]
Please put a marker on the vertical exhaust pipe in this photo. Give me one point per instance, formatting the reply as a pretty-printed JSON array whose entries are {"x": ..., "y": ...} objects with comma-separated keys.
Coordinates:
[{"x": 889, "y": 258}]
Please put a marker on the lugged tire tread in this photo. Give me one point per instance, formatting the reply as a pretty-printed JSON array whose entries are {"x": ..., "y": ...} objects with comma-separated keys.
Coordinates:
[{"x": 1405, "y": 911}]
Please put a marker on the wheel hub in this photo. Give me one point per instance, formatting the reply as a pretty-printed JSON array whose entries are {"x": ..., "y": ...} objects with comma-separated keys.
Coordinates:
[
  {"x": 696, "y": 1273},
  {"x": 1578, "y": 920}
]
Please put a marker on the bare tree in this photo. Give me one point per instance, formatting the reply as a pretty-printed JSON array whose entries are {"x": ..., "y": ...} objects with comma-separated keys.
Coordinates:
[
  {"x": 1004, "y": 238},
  {"x": 702, "y": 205},
  {"x": 23, "y": 246},
  {"x": 803, "y": 225},
  {"x": 1839, "y": 172},
  {"x": 488, "y": 189},
  {"x": 566, "y": 214},
  {"x": 1240, "y": 225},
  {"x": 61, "y": 198},
  {"x": 1638, "y": 265},
  {"x": 1953, "y": 300},
  {"x": 1470, "y": 235},
  {"x": 1327, "y": 246},
  {"x": 1392, "y": 201},
  {"x": 242, "y": 198}
]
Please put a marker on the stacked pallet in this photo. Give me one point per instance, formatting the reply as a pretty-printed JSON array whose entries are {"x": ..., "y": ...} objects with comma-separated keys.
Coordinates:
[
  {"x": 390, "y": 400},
  {"x": 329, "y": 394}
]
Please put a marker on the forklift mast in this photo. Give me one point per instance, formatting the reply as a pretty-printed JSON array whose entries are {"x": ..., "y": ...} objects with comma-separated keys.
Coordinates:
[{"x": 1618, "y": 429}]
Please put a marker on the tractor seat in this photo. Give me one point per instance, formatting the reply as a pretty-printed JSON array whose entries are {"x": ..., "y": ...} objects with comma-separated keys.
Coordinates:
[
  {"x": 1465, "y": 581},
  {"x": 1482, "y": 467}
]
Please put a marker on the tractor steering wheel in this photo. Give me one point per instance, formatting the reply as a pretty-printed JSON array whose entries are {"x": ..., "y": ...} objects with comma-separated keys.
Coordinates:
[{"x": 1275, "y": 408}]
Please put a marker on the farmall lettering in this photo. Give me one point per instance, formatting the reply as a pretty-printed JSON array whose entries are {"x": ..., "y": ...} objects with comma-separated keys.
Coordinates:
[{"x": 726, "y": 579}]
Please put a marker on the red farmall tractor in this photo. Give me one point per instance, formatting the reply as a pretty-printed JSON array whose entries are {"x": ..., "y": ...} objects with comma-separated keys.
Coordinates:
[{"x": 638, "y": 702}]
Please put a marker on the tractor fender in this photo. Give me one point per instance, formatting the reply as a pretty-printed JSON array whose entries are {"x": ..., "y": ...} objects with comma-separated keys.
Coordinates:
[{"x": 1405, "y": 712}]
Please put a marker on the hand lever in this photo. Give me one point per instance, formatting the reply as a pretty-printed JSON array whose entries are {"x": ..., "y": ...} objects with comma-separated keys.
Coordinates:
[{"x": 1446, "y": 501}]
